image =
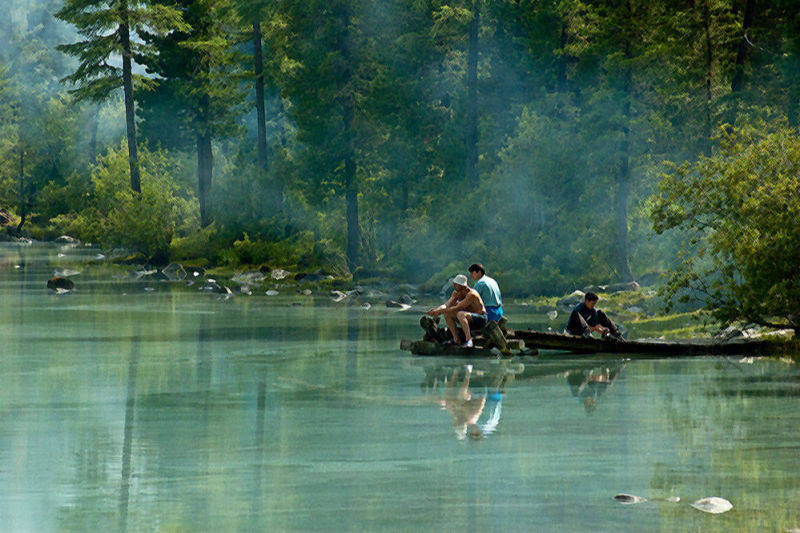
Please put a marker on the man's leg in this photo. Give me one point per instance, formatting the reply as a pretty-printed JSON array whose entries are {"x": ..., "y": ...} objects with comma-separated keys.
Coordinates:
[
  {"x": 603, "y": 320},
  {"x": 577, "y": 325},
  {"x": 463, "y": 319},
  {"x": 450, "y": 318}
]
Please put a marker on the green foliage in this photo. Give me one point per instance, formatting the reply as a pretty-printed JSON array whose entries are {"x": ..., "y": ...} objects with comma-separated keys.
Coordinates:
[
  {"x": 117, "y": 216},
  {"x": 738, "y": 209}
]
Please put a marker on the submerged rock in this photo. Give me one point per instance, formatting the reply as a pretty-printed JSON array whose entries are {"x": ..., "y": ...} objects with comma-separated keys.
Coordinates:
[
  {"x": 60, "y": 283},
  {"x": 212, "y": 286},
  {"x": 66, "y": 239},
  {"x": 713, "y": 505},
  {"x": 397, "y": 305},
  {"x": 271, "y": 292},
  {"x": 65, "y": 273},
  {"x": 366, "y": 305},
  {"x": 628, "y": 499}
]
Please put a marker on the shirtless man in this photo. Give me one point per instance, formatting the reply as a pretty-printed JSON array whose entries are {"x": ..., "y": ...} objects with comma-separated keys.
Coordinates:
[{"x": 466, "y": 307}]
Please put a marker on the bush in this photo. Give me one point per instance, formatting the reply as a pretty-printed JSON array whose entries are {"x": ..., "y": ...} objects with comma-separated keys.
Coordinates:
[{"x": 143, "y": 222}]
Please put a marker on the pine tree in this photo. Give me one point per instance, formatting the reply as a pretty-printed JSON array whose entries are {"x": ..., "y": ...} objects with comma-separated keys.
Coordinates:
[{"x": 108, "y": 27}]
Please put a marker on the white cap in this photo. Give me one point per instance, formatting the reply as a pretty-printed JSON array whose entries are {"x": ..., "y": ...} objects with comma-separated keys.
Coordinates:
[{"x": 460, "y": 279}]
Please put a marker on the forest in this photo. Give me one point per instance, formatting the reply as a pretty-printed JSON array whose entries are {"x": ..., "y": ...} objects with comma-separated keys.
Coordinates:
[{"x": 560, "y": 143}]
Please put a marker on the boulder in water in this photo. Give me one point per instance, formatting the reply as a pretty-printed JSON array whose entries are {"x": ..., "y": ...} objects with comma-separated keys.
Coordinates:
[
  {"x": 628, "y": 499},
  {"x": 397, "y": 305},
  {"x": 338, "y": 296},
  {"x": 306, "y": 292},
  {"x": 271, "y": 292},
  {"x": 713, "y": 505},
  {"x": 60, "y": 283},
  {"x": 66, "y": 239},
  {"x": 552, "y": 315},
  {"x": 194, "y": 272},
  {"x": 407, "y": 299}
]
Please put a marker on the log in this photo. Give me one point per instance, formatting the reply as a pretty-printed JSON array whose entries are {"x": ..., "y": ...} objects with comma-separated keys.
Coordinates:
[
  {"x": 653, "y": 348},
  {"x": 432, "y": 348}
]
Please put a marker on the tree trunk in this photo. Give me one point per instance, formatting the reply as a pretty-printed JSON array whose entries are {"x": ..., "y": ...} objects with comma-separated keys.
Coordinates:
[
  {"x": 709, "y": 63},
  {"x": 351, "y": 193},
  {"x": 562, "y": 60},
  {"x": 22, "y": 200},
  {"x": 624, "y": 175},
  {"x": 258, "y": 70},
  {"x": 127, "y": 88},
  {"x": 93, "y": 138},
  {"x": 205, "y": 163},
  {"x": 472, "y": 97},
  {"x": 741, "y": 55}
]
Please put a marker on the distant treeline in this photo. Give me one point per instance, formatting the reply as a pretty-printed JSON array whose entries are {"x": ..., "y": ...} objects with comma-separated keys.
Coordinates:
[{"x": 402, "y": 138}]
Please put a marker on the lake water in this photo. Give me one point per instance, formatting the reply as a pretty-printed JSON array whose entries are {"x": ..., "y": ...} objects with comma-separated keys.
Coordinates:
[{"x": 173, "y": 410}]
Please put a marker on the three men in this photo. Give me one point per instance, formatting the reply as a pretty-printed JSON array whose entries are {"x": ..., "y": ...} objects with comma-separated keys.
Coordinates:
[
  {"x": 465, "y": 306},
  {"x": 585, "y": 318},
  {"x": 488, "y": 290}
]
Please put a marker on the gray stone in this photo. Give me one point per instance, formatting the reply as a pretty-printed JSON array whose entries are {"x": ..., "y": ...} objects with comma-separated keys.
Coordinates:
[
  {"x": 278, "y": 273},
  {"x": 57, "y": 283},
  {"x": 66, "y": 239},
  {"x": 249, "y": 277},
  {"x": 174, "y": 272},
  {"x": 713, "y": 505},
  {"x": 572, "y": 299},
  {"x": 628, "y": 499}
]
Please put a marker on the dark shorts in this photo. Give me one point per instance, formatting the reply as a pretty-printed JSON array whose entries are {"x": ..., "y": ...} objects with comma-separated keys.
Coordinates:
[{"x": 476, "y": 320}]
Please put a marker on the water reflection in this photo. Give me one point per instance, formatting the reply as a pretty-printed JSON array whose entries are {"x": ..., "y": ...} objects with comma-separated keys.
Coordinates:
[
  {"x": 473, "y": 393},
  {"x": 588, "y": 385},
  {"x": 127, "y": 439}
]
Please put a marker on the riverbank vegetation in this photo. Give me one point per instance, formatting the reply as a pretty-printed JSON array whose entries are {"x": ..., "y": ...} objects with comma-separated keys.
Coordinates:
[{"x": 561, "y": 144}]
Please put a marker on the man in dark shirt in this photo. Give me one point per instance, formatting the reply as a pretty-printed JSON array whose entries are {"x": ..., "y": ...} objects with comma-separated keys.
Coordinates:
[{"x": 585, "y": 318}]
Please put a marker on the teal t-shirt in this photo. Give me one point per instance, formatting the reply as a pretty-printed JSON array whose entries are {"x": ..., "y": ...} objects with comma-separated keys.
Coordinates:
[{"x": 489, "y": 292}]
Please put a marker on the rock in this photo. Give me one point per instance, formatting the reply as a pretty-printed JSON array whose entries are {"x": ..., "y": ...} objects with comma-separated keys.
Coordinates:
[
  {"x": 635, "y": 309},
  {"x": 572, "y": 299},
  {"x": 249, "y": 277},
  {"x": 278, "y": 273},
  {"x": 212, "y": 286},
  {"x": 65, "y": 273},
  {"x": 149, "y": 289},
  {"x": 194, "y": 272},
  {"x": 713, "y": 505},
  {"x": 338, "y": 296},
  {"x": 366, "y": 305},
  {"x": 60, "y": 283},
  {"x": 317, "y": 275},
  {"x": 407, "y": 299},
  {"x": 731, "y": 332},
  {"x": 271, "y": 292},
  {"x": 66, "y": 239},
  {"x": 244, "y": 289},
  {"x": 673, "y": 499},
  {"x": 174, "y": 272},
  {"x": 552, "y": 315},
  {"x": 397, "y": 305},
  {"x": 306, "y": 292},
  {"x": 619, "y": 287},
  {"x": 628, "y": 499}
]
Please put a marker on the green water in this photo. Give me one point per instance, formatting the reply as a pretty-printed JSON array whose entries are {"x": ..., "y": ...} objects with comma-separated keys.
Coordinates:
[{"x": 173, "y": 410}]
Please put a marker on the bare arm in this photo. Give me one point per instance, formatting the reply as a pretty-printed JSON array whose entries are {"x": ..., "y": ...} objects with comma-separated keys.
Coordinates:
[
  {"x": 442, "y": 308},
  {"x": 463, "y": 304}
]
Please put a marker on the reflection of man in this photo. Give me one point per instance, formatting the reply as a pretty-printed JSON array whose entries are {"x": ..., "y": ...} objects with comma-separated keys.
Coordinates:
[
  {"x": 589, "y": 385},
  {"x": 464, "y": 306},
  {"x": 474, "y": 400},
  {"x": 585, "y": 319}
]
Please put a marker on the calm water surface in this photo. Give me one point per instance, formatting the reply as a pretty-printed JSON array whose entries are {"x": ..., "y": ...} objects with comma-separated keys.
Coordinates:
[{"x": 172, "y": 410}]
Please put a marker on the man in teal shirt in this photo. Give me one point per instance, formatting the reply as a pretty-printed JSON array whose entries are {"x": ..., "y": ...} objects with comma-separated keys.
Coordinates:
[{"x": 488, "y": 290}]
